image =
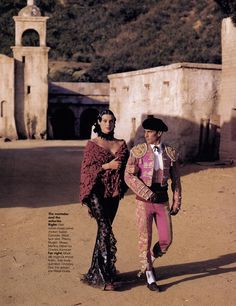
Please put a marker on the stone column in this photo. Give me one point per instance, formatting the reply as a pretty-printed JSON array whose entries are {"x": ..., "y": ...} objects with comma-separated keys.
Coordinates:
[{"x": 227, "y": 108}]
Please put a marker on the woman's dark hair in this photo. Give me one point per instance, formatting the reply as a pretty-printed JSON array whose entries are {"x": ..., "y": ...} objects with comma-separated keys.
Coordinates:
[{"x": 97, "y": 128}]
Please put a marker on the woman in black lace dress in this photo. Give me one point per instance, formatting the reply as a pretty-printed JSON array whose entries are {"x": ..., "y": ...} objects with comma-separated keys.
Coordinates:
[{"x": 101, "y": 188}]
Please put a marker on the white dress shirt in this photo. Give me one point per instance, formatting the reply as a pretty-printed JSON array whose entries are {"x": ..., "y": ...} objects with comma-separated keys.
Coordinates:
[{"x": 158, "y": 160}]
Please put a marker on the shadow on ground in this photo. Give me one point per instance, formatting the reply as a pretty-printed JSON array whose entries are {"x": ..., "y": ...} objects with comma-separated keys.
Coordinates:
[
  {"x": 46, "y": 176},
  {"x": 39, "y": 177},
  {"x": 187, "y": 272}
]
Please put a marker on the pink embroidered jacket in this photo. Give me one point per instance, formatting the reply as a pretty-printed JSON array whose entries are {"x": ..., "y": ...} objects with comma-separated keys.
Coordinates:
[{"x": 140, "y": 179}]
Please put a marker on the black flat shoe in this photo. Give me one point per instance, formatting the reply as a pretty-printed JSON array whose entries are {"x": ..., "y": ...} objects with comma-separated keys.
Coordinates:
[{"x": 153, "y": 287}]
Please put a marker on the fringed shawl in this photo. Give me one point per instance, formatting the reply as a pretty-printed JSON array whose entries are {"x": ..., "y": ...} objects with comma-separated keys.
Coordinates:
[{"x": 109, "y": 182}]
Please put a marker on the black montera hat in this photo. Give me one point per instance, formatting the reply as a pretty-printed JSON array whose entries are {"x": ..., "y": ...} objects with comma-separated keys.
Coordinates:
[{"x": 154, "y": 124}]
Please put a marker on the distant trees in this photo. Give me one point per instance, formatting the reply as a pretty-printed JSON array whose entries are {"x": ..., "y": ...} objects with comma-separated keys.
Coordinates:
[
  {"x": 228, "y": 7},
  {"x": 115, "y": 36}
]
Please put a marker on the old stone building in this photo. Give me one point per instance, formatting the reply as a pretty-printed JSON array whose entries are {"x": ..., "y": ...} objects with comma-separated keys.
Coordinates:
[
  {"x": 7, "y": 98},
  {"x": 31, "y": 70},
  {"x": 227, "y": 107},
  {"x": 31, "y": 108},
  {"x": 74, "y": 107},
  {"x": 197, "y": 101},
  {"x": 184, "y": 95},
  {"x": 24, "y": 85}
]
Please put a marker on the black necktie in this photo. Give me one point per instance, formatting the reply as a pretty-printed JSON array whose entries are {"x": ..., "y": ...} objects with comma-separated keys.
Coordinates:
[{"x": 156, "y": 149}]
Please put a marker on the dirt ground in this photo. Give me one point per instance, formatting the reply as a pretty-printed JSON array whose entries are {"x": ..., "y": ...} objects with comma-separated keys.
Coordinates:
[{"x": 38, "y": 178}]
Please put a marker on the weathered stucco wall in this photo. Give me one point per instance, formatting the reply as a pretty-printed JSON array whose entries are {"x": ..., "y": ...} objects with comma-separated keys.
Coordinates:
[
  {"x": 30, "y": 22},
  {"x": 228, "y": 91},
  {"x": 79, "y": 93},
  {"x": 31, "y": 91},
  {"x": 7, "y": 121},
  {"x": 181, "y": 94},
  {"x": 198, "y": 126}
]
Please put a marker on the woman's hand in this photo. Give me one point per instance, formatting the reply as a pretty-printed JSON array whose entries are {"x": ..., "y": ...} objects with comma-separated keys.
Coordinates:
[{"x": 113, "y": 164}]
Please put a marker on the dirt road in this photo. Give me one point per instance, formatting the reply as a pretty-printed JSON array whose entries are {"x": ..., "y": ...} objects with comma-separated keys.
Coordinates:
[{"x": 39, "y": 187}]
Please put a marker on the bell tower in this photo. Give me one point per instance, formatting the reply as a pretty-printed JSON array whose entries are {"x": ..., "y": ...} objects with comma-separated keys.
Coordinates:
[{"x": 31, "y": 72}]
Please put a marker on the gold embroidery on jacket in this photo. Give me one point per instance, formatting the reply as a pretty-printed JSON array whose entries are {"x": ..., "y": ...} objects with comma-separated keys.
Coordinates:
[
  {"x": 171, "y": 152},
  {"x": 139, "y": 150}
]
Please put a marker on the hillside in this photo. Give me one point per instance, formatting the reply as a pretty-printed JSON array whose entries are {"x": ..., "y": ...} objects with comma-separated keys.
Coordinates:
[{"x": 100, "y": 37}]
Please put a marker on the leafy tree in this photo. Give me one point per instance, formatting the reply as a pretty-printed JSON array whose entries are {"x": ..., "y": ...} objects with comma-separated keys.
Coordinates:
[
  {"x": 115, "y": 36},
  {"x": 228, "y": 7}
]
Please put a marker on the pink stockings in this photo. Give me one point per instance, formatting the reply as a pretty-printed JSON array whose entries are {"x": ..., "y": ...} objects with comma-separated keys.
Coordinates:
[{"x": 145, "y": 214}]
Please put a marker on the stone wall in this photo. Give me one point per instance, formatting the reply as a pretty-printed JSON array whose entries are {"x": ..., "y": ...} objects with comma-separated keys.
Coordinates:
[
  {"x": 184, "y": 95},
  {"x": 228, "y": 91},
  {"x": 31, "y": 87},
  {"x": 82, "y": 93},
  {"x": 7, "y": 121}
]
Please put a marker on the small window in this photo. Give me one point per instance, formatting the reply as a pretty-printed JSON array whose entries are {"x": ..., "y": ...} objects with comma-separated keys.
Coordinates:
[
  {"x": 23, "y": 59},
  {"x": 28, "y": 89},
  {"x": 133, "y": 120},
  {"x": 233, "y": 124},
  {"x": 166, "y": 88},
  {"x": 2, "y": 108}
]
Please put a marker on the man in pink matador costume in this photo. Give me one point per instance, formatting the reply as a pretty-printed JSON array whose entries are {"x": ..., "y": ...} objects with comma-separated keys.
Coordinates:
[{"x": 148, "y": 169}]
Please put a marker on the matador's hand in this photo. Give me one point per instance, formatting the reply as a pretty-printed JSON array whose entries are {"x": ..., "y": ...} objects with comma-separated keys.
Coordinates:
[{"x": 175, "y": 208}]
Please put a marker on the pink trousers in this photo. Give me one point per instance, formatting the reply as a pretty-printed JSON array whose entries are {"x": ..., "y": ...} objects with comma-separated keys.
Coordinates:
[{"x": 146, "y": 212}]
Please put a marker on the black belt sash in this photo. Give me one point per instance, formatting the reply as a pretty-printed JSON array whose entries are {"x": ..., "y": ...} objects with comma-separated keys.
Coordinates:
[{"x": 160, "y": 191}]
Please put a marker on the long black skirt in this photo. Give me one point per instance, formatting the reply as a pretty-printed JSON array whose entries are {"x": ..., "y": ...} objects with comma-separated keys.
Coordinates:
[{"x": 102, "y": 270}]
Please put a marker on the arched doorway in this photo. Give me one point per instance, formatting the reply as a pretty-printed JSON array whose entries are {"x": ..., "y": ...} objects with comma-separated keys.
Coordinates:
[
  {"x": 63, "y": 124},
  {"x": 87, "y": 119}
]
